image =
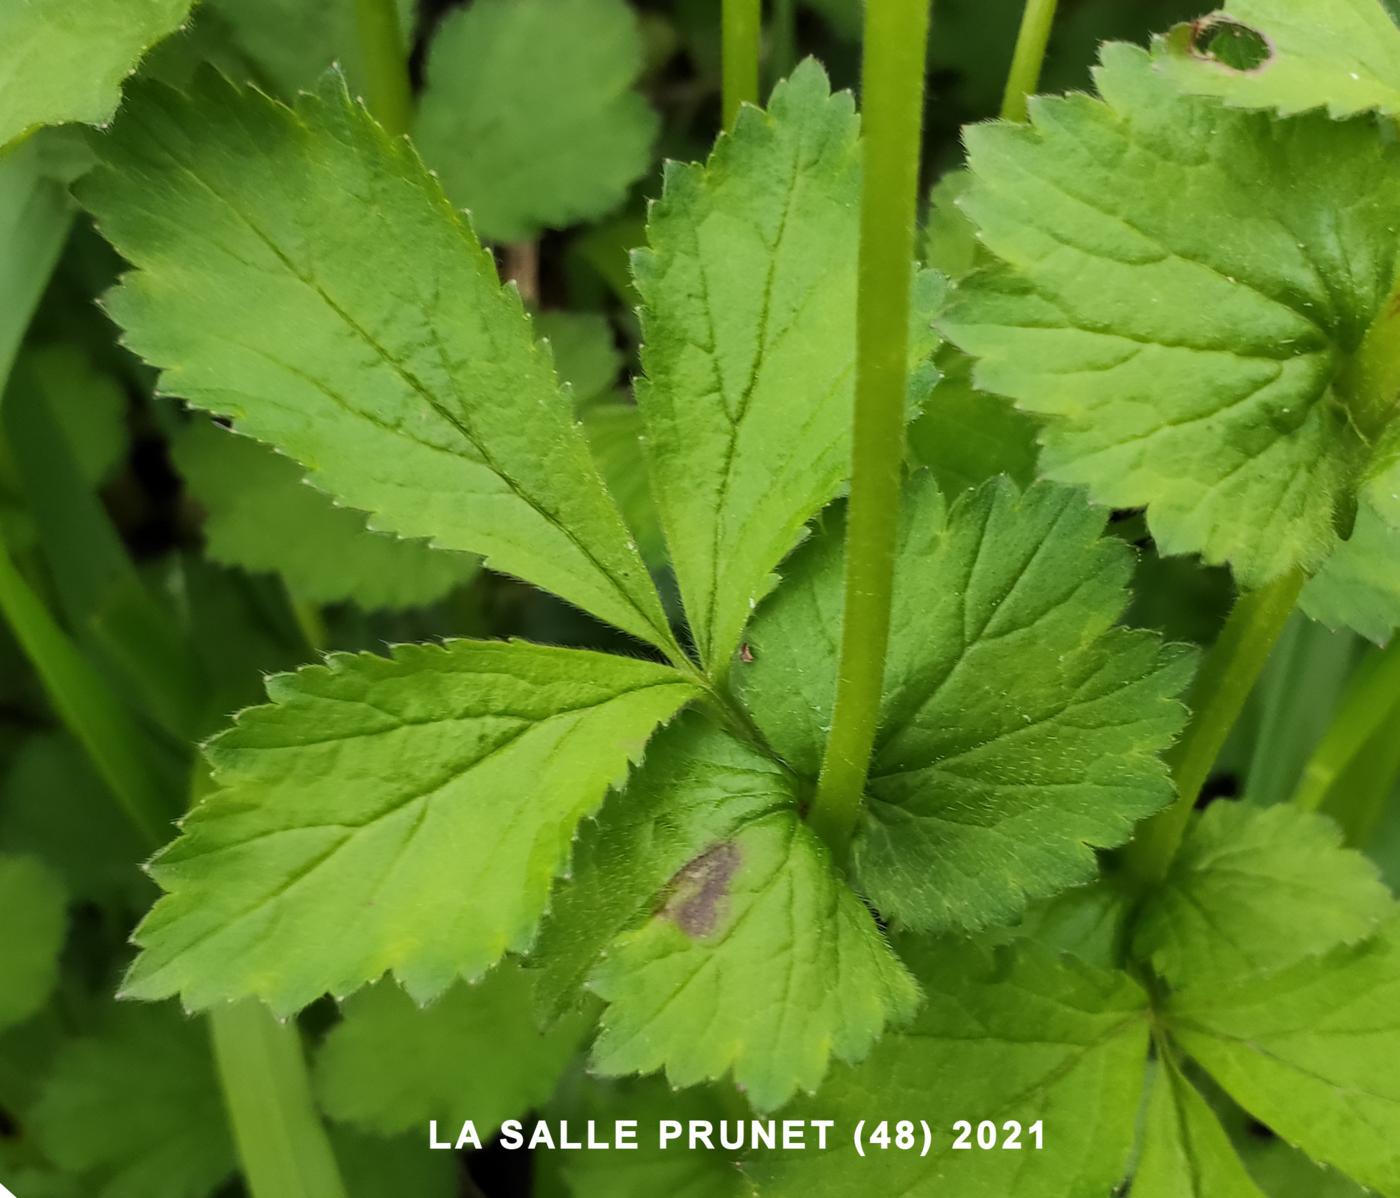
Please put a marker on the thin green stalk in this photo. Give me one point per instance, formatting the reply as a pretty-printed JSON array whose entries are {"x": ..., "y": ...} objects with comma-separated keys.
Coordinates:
[
  {"x": 784, "y": 28},
  {"x": 280, "y": 1138},
  {"x": 896, "y": 39},
  {"x": 1218, "y": 695},
  {"x": 1024, "y": 78},
  {"x": 388, "y": 90},
  {"x": 1368, "y": 784},
  {"x": 741, "y": 25},
  {"x": 1371, "y": 701}
]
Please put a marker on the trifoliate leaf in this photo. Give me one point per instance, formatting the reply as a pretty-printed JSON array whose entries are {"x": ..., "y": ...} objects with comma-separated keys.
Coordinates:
[
  {"x": 748, "y": 292},
  {"x": 649, "y": 1169},
  {"x": 1255, "y": 889},
  {"x": 1342, "y": 55},
  {"x": 761, "y": 962},
  {"x": 1186, "y": 292},
  {"x": 425, "y": 800},
  {"x": 529, "y": 114},
  {"x": 261, "y": 515},
  {"x": 1185, "y": 1151},
  {"x": 36, "y": 921},
  {"x": 1359, "y": 587},
  {"x": 697, "y": 787},
  {"x": 290, "y": 43},
  {"x": 303, "y": 274},
  {"x": 475, "y": 1053},
  {"x": 136, "y": 1109},
  {"x": 1019, "y": 729},
  {"x": 1011, "y": 1037},
  {"x": 585, "y": 352},
  {"x": 1310, "y": 1052},
  {"x": 67, "y": 62}
]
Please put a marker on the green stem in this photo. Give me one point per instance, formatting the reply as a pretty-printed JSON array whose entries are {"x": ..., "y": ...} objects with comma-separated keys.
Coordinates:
[
  {"x": 896, "y": 39},
  {"x": 741, "y": 24},
  {"x": 1218, "y": 695},
  {"x": 118, "y": 746},
  {"x": 1359, "y": 799},
  {"x": 784, "y": 39},
  {"x": 1024, "y": 77},
  {"x": 1371, "y": 701},
  {"x": 388, "y": 90},
  {"x": 262, "y": 1071}
]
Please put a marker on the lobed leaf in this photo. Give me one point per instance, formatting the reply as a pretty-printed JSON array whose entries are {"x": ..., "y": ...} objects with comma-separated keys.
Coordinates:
[
  {"x": 748, "y": 304},
  {"x": 1187, "y": 292},
  {"x": 1341, "y": 55},
  {"x": 1019, "y": 729},
  {"x": 529, "y": 113},
  {"x": 1253, "y": 890},
  {"x": 425, "y": 800},
  {"x": 302, "y": 274}
]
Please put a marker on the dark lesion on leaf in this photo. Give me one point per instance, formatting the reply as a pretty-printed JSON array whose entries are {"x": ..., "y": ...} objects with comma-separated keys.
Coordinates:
[
  {"x": 698, "y": 892},
  {"x": 1222, "y": 40}
]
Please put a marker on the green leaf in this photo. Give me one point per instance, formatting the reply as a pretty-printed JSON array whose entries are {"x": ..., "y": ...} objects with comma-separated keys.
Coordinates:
[
  {"x": 88, "y": 404},
  {"x": 390, "y": 1065},
  {"x": 761, "y": 962},
  {"x": 67, "y": 63},
  {"x": 748, "y": 292},
  {"x": 615, "y": 435},
  {"x": 370, "y": 341},
  {"x": 1019, "y": 731},
  {"x": 1256, "y": 889},
  {"x": 1185, "y": 1151},
  {"x": 1343, "y": 55},
  {"x": 373, "y": 1166},
  {"x": 260, "y": 515},
  {"x": 425, "y": 800},
  {"x": 1186, "y": 291},
  {"x": 1359, "y": 587},
  {"x": 697, "y": 787},
  {"x": 585, "y": 352},
  {"x": 1310, "y": 1052},
  {"x": 950, "y": 238},
  {"x": 36, "y": 922},
  {"x": 1004, "y": 1036},
  {"x": 136, "y": 1110},
  {"x": 529, "y": 114}
]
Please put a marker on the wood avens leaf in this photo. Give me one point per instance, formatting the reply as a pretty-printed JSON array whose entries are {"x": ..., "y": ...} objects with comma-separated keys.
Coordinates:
[
  {"x": 748, "y": 290},
  {"x": 529, "y": 116},
  {"x": 384, "y": 357},
  {"x": 1019, "y": 728},
  {"x": 1200, "y": 301},
  {"x": 425, "y": 800}
]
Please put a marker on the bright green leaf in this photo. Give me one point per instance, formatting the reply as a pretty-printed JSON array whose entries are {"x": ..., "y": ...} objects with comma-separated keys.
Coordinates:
[
  {"x": 136, "y": 1110},
  {"x": 1014, "y": 1036},
  {"x": 950, "y": 238},
  {"x": 615, "y": 434},
  {"x": 1184, "y": 291},
  {"x": 261, "y": 515},
  {"x": 761, "y": 962},
  {"x": 368, "y": 340},
  {"x": 67, "y": 62},
  {"x": 1020, "y": 730},
  {"x": 585, "y": 352},
  {"x": 1342, "y": 55},
  {"x": 529, "y": 115},
  {"x": 1359, "y": 587},
  {"x": 36, "y": 921},
  {"x": 1185, "y": 1151},
  {"x": 697, "y": 787},
  {"x": 425, "y": 800},
  {"x": 1255, "y": 889},
  {"x": 475, "y": 1053},
  {"x": 1311, "y": 1052},
  {"x": 748, "y": 292}
]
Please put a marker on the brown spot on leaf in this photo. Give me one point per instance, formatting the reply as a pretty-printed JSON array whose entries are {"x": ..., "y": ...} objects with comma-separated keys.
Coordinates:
[{"x": 699, "y": 890}]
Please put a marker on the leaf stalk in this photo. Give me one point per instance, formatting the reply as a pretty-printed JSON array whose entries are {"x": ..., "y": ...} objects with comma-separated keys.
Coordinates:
[
  {"x": 741, "y": 25},
  {"x": 1023, "y": 80},
  {"x": 388, "y": 89},
  {"x": 896, "y": 41}
]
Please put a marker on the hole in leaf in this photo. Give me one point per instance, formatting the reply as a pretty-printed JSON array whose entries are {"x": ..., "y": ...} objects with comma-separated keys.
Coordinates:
[
  {"x": 699, "y": 890},
  {"x": 1231, "y": 44}
]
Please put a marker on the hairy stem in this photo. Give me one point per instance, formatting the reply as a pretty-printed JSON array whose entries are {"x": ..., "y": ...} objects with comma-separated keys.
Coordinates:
[
  {"x": 896, "y": 38},
  {"x": 1218, "y": 695},
  {"x": 388, "y": 90},
  {"x": 742, "y": 22},
  {"x": 1371, "y": 701},
  {"x": 262, "y": 1071},
  {"x": 1024, "y": 77}
]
